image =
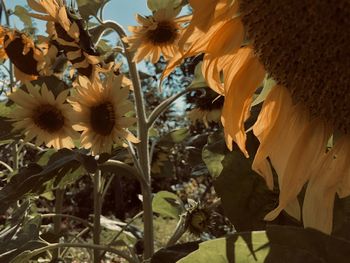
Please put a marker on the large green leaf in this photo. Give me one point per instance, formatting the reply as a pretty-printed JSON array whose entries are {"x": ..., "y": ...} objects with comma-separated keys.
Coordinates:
[
  {"x": 244, "y": 194},
  {"x": 173, "y": 137},
  {"x": 159, "y": 4},
  {"x": 23, "y": 15},
  {"x": 33, "y": 179},
  {"x": 26, "y": 237},
  {"x": 278, "y": 244},
  {"x": 167, "y": 204},
  {"x": 89, "y": 8},
  {"x": 213, "y": 154},
  {"x": 174, "y": 253}
]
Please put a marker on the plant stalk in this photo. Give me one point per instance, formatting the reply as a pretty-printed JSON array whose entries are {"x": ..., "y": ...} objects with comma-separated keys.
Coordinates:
[
  {"x": 97, "y": 214},
  {"x": 142, "y": 147},
  {"x": 58, "y": 219}
]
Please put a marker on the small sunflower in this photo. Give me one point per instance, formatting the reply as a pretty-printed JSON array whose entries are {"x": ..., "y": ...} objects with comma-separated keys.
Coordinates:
[
  {"x": 67, "y": 33},
  {"x": 158, "y": 34},
  {"x": 197, "y": 219},
  {"x": 27, "y": 58},
  {"x": 207, "y": 107},
  {"x": 100, "y": 110},
  {"x": 43, "y": 117},
  {"x": 245, "y": 41}
]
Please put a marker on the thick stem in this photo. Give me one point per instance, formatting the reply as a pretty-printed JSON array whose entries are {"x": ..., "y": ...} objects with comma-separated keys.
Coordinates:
[
  {"x": 97, "y": 214},
  {"x": 148, "y": 236},
  {"x": 58, "y": 219},
  {"x": 142, "y": 147}
]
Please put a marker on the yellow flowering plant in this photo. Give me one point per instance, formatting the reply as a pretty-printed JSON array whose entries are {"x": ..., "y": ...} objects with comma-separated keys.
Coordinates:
[{"x": 269, "y": 81}]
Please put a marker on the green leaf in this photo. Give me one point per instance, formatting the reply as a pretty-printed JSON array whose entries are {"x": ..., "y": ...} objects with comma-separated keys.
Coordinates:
[
  {"x": 269, "y": 83},
  {"x": 52, "y": 82},
  {"x": 25, "y": 239},
  {"x": 70, "y": 178},
  {"x": 5, "y": 110},
  {"x": 173, "y": 137},
  {"x": 23, "y": 15},
  {"x": 6, "y": 130},
  {"x": 155, "y": 5},
  {"x": 198, "y": 80},
  {"x": 244, "y": 194},
  {"x": 33, "y": 179},
  {"x": 278, "y": 244},
  {"x": 167, "y": 204},
  {"x": 89, "y": 8},
  {"x": 213, "y": 154},
  {"x": 45, "y": 157},
  {"x": 174, "y": 253}
]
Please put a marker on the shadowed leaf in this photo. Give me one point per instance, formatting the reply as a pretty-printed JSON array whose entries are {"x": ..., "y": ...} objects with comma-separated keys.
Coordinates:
[{"x": 278, "y": 244}]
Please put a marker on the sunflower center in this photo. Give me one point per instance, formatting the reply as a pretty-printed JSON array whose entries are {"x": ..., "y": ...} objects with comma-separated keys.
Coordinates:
[
  {"x": 25, "y": 63},
  {"x": 305, "y": 46},
  {"x": 102, "y": 118},
  {"x": 48, "y": 118},
  {"x": 166, "y": 32}
]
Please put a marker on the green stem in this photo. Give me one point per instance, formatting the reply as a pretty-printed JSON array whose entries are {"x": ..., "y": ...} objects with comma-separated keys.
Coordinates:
[
  {"x": 165, "y": 105},
  {"x": 15, "y": 155},
  {"x": 126, "y": 167},
  {"x": 84, "y": 231},
  {"x": 179, "y": 231},
  {"x": 97, "y": 214},
  {"x": 38, "y": 251},
  {"x": 58, "y": 219},
  {"x": 143, "y": 146},
  {"x": 105, "y": 188},
  {"x": 6, "y": 166}
]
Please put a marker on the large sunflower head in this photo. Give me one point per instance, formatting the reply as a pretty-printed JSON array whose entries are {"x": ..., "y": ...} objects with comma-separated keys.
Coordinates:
[
  {"x": 28, "y": 60},
  {"x": 100, "y": 110},
  {"x": 43, "y": 117},
  {"x": 304, "y": 49},
  {"x": 158, "y": 34}
]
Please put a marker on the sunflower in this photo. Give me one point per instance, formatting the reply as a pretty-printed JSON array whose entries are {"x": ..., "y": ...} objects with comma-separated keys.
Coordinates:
[
  {"x": 100, "y": 110},
  {"x": 207, "y": 107},
  {"x": 245, "y": 41},
  {"x": 43, "y": 117},
  {"x": 28, "y": 59},
  {"x": 67, "y": 34},
  {"x": 198, "y": 219},
  {"x": 158, "y": 34}
]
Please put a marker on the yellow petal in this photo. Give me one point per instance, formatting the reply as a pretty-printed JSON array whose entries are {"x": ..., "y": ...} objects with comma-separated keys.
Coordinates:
[
  {"x": 241, "y": 80},
  {"x": 321, "y": 190},
  {"x": 293, "y": 163}
]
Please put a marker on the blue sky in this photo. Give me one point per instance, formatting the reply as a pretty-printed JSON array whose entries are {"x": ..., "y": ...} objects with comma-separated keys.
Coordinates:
[{"x": 123, "y": 11}]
